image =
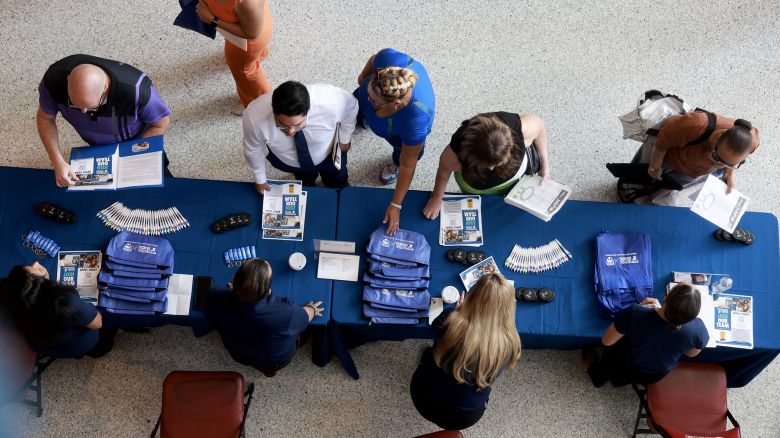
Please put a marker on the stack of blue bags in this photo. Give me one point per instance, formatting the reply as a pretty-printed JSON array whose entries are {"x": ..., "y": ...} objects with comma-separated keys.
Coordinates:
[
  {"x": 134, "y": 277},
  {"x": 396, "y": 278},
  {"x": 624, "y": 271}
]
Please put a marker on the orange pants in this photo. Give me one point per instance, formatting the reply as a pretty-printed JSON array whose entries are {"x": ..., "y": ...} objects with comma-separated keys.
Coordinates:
[{"x": 247, "y": 70}]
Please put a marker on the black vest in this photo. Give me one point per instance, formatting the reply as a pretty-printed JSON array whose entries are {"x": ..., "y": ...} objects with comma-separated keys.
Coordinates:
[{"x": 121, "y": 99}]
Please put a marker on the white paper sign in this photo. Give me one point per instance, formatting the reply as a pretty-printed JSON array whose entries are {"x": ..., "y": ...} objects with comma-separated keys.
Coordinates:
[
  {"x": 714, "y": 205},
  {"x": 338, "y": 266}
]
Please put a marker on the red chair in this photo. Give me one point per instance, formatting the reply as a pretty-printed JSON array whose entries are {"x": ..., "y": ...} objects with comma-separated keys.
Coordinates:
[
  {"x": 443, "y": 434},
  {"x": 689, "y": 401},
  {"x": 22, "y": 369},
  {"x": 203, "y": 404}
]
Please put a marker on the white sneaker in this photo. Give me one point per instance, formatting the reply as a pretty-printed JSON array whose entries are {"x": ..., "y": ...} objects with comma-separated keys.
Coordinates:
[{"x": 389, "y": 174}]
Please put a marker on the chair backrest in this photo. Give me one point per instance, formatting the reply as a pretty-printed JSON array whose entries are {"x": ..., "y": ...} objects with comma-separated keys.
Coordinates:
[
  {"x": 202, "y": 404},
  {"x": 674, "y": 433},
  {"x": 691, "y": 398},
  {"x": 17, "y": 365}
]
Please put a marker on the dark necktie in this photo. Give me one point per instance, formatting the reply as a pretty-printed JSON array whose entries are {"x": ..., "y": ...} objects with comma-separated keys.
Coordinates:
[{"x": 302, "y": 148}]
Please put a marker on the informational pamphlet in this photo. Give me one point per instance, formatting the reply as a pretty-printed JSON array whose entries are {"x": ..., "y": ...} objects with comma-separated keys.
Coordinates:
[
  {"x": 541, "y": 200},
  {"x": 295, "y": 233},
  {"x": 80, "y": 269},
  {"x": 461, "y": 221},
  {"x": 282, "y": 205},
  {"x": 734, "y": 321},
  {"x": 473, "y": 273},
  {"x": 714, "y": 205},
  {"x": 126, "y": 165},
  {"x": 335, "y": 266}
]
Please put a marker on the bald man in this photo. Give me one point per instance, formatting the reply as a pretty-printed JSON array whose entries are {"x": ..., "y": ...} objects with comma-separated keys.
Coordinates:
[{"x": 105, "y": 101}]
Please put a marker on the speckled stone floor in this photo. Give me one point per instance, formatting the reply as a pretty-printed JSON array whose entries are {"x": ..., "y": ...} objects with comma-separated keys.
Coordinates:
[{"x": 577, "y": 64}]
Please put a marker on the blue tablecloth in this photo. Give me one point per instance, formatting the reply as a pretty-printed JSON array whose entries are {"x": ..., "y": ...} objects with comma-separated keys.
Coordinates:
[
  {"x": 681, "y": 241},
  {"x": 198, "y": 251}
]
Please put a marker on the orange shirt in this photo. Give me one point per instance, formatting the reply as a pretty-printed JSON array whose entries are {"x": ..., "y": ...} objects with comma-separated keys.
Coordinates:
[
  {"x": 695, "y": 160},
  {"x": 226, "y": 11}
]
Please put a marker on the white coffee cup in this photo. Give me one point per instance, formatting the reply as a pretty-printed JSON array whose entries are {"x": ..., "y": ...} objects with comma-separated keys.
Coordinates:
[
  {"x": 450, "y": 294},
  {"x": 297, "y": 261}
]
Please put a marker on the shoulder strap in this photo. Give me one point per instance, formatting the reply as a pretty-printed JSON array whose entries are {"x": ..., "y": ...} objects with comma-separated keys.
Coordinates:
[{"x": 707, "y": 132}]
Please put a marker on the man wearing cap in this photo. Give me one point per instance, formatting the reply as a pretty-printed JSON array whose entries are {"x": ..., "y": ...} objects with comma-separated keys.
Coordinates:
[
  {"x": 297, "y": 125},
  {"x": 105, "y": 101}
]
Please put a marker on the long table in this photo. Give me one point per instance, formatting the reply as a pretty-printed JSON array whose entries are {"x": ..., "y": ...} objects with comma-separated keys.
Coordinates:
[
  {"x": 681, "y": 241},
  {"x": 197, "y": 250}
]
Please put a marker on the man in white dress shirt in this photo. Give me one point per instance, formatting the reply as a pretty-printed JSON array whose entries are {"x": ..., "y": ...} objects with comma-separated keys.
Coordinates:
[{"x": 297, "y": 124}]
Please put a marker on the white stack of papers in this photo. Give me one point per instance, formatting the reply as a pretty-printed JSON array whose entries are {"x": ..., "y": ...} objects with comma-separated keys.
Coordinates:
[
  {"x": 179, "y": 294},
  {"x": 284, "y": 211},
  {"x": 714, "y": 205},
  {"x": 541, "y": 200},
  {"x": 461, "y": 221}
]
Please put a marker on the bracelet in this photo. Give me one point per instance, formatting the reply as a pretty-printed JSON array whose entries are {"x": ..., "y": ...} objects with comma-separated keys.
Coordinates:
[{"x": 393, "y": 204}]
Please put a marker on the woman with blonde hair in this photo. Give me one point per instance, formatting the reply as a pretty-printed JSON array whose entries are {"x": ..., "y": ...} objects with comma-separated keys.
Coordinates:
[
  {"x": 249, "y": 20},
  {"x": 475, "y": 342},
  {"x": 489, "y": 153},
  {"x": 397, "y": 103}
]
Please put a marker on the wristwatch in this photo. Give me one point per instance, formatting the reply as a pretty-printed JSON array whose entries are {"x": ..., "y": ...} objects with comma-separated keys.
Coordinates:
[{"x": 215, "y": 21}]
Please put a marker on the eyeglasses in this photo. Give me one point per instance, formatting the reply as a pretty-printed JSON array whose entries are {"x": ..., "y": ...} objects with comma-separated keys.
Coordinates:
[
  {"x": 102, "y": 102},
  {"x": 716, "y": 158},
  {"x": 284, "y": 127}
]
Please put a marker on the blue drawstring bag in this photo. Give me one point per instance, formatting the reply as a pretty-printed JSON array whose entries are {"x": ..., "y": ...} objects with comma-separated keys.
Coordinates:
[
  {"x": 396, "y": 321},
  {"x": 115, "y": 265},
  {"x": 139, "y": 284},
  {"x": 397, "y": 309},
  {"x": 404, "y": 245},
  {"x": 121, "y": 305},
  {"x": 390, "y": 270},
  {"x": 373, "y": 312},
  {"x": 410, "y": 299},
  {"x": 393, "y": 283},
  {"x": 623, "y": 274},
  {"x": 141, "y": 297},
  {"x": 142, "y": 251},
  {"x": 383, "y": 259}
]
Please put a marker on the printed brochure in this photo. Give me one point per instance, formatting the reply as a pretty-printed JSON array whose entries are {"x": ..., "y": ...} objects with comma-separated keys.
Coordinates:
[
  {"x": 80, "y": 269},
  {"x": 461, "y": 221},
  {"x": 126, "y": 165}
]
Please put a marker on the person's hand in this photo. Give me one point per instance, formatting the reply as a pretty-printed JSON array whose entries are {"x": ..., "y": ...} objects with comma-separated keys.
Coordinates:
[
  {"x": 433, "y": 207},
  {"x": 229, "y": 285},
  {"x": 729, "y": 178},
  {"x": 392, "y": 219},
  {"x": 654, "y": 172},
  {"x": 262, "y": 188},
  {"x": 204, "y": 12},
  {"x": 544, "y": 173},
  {"x": 316, "y": 308},
  {"x": 651, "y": 302},
  {"x": 64, "y": 175},
  {"x": 345, "y": 147}
]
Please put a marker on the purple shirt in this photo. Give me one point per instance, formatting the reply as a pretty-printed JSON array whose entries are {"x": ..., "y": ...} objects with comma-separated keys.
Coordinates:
[{"x": 101, "y": 130}]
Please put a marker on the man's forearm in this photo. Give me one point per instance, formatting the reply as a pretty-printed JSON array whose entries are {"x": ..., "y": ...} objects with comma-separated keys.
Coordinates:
[
  {"x": 47, "y": 130},
  {"x": 405, "y": 176}
]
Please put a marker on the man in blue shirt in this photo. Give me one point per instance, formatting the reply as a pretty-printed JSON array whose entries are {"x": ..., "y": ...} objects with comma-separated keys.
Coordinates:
[
  {"x": 257, "y": 328},
  {"x": 647, "y": 340}
]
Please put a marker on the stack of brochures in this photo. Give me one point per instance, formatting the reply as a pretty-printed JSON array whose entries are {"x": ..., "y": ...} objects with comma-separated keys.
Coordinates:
[
  {"x": 540, "y": 198},
  {"x": 80, "y": 269},
  {"x": 131, "y": 164},
  {"x": 284, "y": 211},
  {"x": 461, "y": 221}
]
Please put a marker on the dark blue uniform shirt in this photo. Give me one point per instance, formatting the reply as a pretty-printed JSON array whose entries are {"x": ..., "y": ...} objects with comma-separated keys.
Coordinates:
[
  {"x": 76, "y": 338},
  {"x": 263, "y": 333}
]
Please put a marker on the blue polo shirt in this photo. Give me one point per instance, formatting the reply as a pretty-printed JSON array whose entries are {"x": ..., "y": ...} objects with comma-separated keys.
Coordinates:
[
  {"x": 649, "y": 346},
  {"x": 413, "y": 123},
  {"x": 263, "y": 333},
  {"x": 76, "y": 338},
  {"x": 449, "y": 394}
]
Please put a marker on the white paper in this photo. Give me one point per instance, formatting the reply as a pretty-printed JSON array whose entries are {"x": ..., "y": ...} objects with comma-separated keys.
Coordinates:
[
  {"x": 714, "y": 205},
  {"x": 85, "y": 168},
  {"x": 542, "y": 201},
  {"x": 140, "y": 170},
  {"x": 80, "y": 269},
  {"x": 236, "y": 40},
  {"x": 333, "y": 266},
  {"x": 179, "y": 294},
  {"x": 460, "y": 222},
  {"x": 339, "y": 246},
  {"x": 437, "y": 306}
]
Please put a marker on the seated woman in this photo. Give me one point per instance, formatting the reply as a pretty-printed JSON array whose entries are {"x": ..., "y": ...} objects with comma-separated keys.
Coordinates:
[
  {"x": 475, "y": 342},
  {"x": 51, "y": 317},
  {"x": 646, "y": 340},
  {"x": 258, "y": 328},
  {"x": 489, "y": 153},
  {"x": 681, "y": 152}
]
